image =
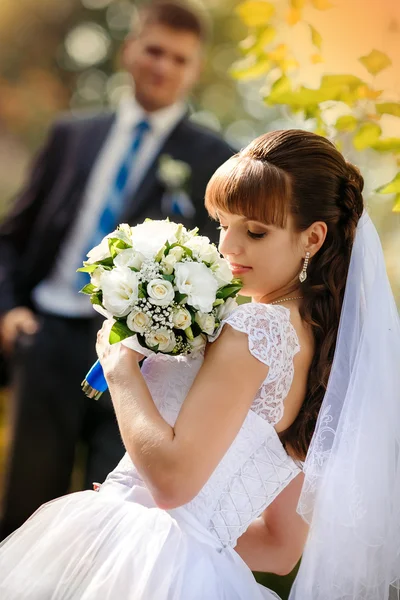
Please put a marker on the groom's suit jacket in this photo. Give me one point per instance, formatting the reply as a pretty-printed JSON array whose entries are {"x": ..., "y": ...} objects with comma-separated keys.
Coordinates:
[{"x": 32, "y": 234}]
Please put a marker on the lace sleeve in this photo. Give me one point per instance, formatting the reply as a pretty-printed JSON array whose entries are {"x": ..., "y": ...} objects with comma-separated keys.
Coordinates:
[{"x": 274, "y": 342}]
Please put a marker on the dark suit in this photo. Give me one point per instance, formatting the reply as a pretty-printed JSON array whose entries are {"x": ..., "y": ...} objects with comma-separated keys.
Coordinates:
[{"x": 50, "y": 412}]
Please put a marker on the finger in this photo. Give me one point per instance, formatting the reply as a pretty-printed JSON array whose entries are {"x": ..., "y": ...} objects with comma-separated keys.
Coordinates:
[{"x": 29, "y": 326}]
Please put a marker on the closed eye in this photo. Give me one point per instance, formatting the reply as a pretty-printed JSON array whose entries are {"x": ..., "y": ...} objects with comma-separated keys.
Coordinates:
[{"x": 256, "y": 236}]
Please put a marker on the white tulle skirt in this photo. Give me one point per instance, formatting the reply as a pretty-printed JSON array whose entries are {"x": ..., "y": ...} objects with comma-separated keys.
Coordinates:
[{"x": 98, "y": 546}]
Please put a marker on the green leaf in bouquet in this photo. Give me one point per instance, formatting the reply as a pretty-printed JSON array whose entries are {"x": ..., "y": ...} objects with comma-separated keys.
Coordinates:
[
  {"x": 229, "y": 291},
  {"x": 189, "y": 333},
  {"x": 180, "y": 298},
  {"x": 134, "y": 269},
  {"x": 88, "y": 268},
  {"x": 88, "y": 289},
  {"x": 169, "y": 278},
  {"x": 187, "y": 250},
  {"x": 196, "y": 329},
  {"x": 115, "y": 245},
  {"x": 119, "y": 331},
  {"x": 97, "y": 298},
  {"x": 142, "y": 290},
  {"x": 218, "y": 302},
  {"x": 106, "y": 262}
]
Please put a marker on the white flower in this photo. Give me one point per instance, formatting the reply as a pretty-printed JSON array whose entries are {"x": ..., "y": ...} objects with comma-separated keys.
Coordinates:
[
  {"x": 120, "y": 290},
  {"x": 129, "y": 258},
  {"x": 149, "y": 237},
  {"x": 197, "y": 344},
  {"x": 181, "y": 318},
  {"x": 198, "y": 283},
  {"x": 173, "y": 173},
  {"x": 202, "y": 249},
  {"x": 95, "y": 278},
  {"x": 222, "y": 271},
  {"x": 163, "y": 338},
  {"x": 206, "y": 322},
  {"x": 123, "y": 232},
  {"x": 225, "y": 309},
  {"x": 169, "y": 261},
  {"x": 99, "y": 252},
  {"x": 160, "y": 291},
  {"x": 137, "y": 321}
]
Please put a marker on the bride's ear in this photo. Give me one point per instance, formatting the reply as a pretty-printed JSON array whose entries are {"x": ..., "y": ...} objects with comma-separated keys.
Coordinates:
[{"x": 314, "y": 237}]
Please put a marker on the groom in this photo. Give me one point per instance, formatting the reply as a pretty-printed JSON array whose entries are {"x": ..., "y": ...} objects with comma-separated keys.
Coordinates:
[{"x": 92, "y": 173}]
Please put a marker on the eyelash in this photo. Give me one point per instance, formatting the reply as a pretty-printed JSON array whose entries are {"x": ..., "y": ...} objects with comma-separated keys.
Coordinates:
[{"x": 254, "y": 236}]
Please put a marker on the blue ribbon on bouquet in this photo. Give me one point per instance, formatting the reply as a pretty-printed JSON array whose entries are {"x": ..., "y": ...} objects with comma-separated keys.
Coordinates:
[{"x": 95, "y": 383}]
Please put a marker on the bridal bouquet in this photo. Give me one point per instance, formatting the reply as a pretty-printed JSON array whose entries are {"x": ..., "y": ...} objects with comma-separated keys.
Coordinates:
[{"x": 166, "y": 289}]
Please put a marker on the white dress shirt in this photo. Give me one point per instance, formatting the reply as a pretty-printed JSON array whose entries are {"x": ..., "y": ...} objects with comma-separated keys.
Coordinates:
[{"x": 57, "y": 294}]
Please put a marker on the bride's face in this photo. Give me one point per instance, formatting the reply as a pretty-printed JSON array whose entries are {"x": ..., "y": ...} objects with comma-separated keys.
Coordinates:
[{"x": 266, "y": 258}]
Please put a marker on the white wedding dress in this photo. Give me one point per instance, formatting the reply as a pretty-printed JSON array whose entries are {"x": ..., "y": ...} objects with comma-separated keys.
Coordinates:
[{"x": 117, "y": 544}]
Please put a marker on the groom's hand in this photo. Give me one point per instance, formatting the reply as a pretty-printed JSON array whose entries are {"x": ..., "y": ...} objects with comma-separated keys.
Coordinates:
[{"x": 18, "y": 320}]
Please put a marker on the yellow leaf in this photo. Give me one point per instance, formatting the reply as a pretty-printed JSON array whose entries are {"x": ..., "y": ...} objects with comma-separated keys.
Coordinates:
[
  {"x": 316, "y": 58},
  {"x": 388, "y": 108},
  {"x": 321, "y": 4},
  {"x": 366, "y": 136},
  {"x": 281, "y": 86},
  {"x": 297, "y": 4},
  {"x": 375, "y": 61},
  {"x": 316, "y": 37},
  {"x": 396, "y": 207},
  {"x": 264, "y": 39},
  {"x": 387, "y": 145},
  {"x": 346, "y": 123},
  {"x": 279, "y": 53},
  {"x": 393, "y": 187},
  {"x": 365, "y": 91},
  {"x": 255, "y": 13},
  {"x": 245, "y": 70},
  {"x": 293, "y": 16}
]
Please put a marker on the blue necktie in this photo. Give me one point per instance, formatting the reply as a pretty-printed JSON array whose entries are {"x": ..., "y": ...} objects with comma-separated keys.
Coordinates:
[{"x": 113, "y": 207}]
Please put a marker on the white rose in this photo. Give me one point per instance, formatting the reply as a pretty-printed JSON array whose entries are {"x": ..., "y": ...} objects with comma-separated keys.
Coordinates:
[
  {"x": 169, "y": 261},
  {"x": 160, "y": 291},
  {"x": 137, "y": 321},
  {"x": 206, "y": 322},
  {"x": 222, "y": 272},
  {"x": 99, "y": 252},
  {"x": 124, "y": 233},
  {"x": 203, "y": 249},
  {"x": 163, "y": 338},
  {"x": 129, "y": 258},
  {"x": 149, "y": 237},
  {"x": 120, "y": 290},
  {"x": 198, "y": 283},
  {"x": 198, "y": 344},
  {"x": 181, "y": 318},
  {"x": 95, "y": 278},
  {"x": 226, "y": 308}
]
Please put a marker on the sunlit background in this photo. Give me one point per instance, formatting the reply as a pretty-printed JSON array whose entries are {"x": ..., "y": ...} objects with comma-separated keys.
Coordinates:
[{"x": 64, "y": 55}]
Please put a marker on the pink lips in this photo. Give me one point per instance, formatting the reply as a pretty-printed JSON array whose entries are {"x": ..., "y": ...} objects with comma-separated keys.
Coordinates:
[{"x": 239, "y": 269}]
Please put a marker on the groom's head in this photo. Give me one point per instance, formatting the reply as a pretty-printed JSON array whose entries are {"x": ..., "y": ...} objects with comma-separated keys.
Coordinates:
[{"x": 164, "y": 52}]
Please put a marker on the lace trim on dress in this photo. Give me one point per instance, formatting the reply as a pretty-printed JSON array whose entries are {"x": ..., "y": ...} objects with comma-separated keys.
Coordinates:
[{"x": 274, "y": 342}]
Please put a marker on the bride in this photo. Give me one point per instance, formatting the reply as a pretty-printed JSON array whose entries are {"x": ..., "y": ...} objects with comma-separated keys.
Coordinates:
[{"x": 295, "y": 405}]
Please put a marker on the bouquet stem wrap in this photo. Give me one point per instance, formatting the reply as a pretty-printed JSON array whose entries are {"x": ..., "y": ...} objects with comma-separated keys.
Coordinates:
[{"x": 94, "y": 383}]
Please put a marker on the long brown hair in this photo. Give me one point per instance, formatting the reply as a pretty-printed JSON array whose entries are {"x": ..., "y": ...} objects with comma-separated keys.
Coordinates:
[{"x": 300, "y": 173}]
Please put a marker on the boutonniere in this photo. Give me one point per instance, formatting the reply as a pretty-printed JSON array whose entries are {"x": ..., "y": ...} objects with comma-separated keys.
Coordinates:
[{"x": 173, "y": 173}]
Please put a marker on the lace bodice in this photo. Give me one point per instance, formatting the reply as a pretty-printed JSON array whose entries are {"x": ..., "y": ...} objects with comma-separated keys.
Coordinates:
[{"x": 256, "y": 467}]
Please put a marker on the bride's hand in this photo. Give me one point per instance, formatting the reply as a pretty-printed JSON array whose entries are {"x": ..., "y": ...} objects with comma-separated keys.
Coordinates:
[{"x": 114, "y": 358}]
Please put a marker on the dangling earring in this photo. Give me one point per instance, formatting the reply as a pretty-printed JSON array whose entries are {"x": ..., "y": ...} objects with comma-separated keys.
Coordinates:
[{"x": 303, "y": 274}]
